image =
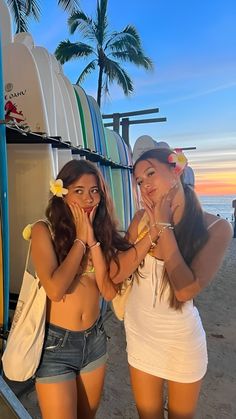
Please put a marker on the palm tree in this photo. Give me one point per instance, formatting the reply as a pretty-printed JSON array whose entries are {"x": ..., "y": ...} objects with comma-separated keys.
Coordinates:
[
  {"x": 107, "y": 49},
  {"x": 22, "y": 10}
]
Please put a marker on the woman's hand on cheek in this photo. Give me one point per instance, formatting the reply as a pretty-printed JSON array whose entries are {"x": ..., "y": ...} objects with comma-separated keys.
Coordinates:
[
  {"x": 79, "y": 218},
  {"x": 163, "y": 210},
  {"x": 89, "y": 220}
]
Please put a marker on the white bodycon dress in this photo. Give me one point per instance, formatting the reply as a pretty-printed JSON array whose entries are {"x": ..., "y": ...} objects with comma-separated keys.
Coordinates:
[{"x": 161, "y": 341}]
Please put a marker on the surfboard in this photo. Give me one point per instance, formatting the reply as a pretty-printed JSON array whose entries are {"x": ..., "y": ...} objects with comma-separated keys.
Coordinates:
[
  {"x": 84, "y": 109},
  {"x": 62, "y": 129},
  {"x": 44, "y": 66},
  {"x": 78, "y": 141},
  {"x": 1, "y": 284},
  {"x": 4, "y": 219},
  {"x": 64, "y": 155},
  {"x": 116, "y": 174},
  {"x": 132, "y": 185},
  {"x": 5, "y": 24},
  {"x": 28, "y": 198},
  {"x": 96, "y": 115},
  {"x": 127, "y": 180},
  {"x": 97, "y": 140},
  {"x": 81, "y": 114},
  {"x": 97, "y": 135},
  {"x": 23, "y": 91},
  {"x": 69, "y": 117}
]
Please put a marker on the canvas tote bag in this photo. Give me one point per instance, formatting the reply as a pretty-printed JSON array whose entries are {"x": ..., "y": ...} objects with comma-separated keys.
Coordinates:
[
  {"x": 118, "y": 303},
  {"x": 25, "y": 341}
]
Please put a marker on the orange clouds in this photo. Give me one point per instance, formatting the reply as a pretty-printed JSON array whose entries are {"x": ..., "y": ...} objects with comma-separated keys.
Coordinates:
[
  {"x": 216, "y": 182},
  {"x": 215, "y": 171}
]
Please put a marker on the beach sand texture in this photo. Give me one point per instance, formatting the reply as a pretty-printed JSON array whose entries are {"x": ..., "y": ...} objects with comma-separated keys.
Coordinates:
[{"x": 217, "y": 306}]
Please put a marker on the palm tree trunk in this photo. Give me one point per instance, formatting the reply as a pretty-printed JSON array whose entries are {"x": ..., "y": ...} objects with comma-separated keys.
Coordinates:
[{"x": 99, "y": 91}]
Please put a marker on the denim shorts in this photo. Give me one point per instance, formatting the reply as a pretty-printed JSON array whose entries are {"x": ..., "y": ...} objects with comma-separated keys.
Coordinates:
[{"x": 67, "y": 353}]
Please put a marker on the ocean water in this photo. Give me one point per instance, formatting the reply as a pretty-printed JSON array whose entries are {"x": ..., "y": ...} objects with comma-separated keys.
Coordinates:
[{"x": 218, "y": 204}]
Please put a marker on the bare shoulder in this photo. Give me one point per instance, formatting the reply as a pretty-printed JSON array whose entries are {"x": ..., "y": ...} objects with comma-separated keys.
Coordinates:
[
  {"x": 40, "y": 228},
  {"x": 218, "y": 226}
]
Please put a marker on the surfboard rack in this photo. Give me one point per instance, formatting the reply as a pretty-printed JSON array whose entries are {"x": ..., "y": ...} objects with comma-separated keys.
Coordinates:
[
  {"x": 10, "y": 406},
  {"x": 17, "y": 135}
]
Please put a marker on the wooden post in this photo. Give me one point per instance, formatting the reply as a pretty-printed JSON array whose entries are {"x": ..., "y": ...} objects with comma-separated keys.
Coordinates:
[{"x": 125, "y": 130}]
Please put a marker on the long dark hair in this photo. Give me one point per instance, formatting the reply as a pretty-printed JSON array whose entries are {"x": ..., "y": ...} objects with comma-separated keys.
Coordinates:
[
  {"x": 191, "y": 233},
  {"x": 105, "y": 223}
]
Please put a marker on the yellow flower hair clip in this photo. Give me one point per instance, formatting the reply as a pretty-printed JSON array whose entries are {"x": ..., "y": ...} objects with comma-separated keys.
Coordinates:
[
  {"x": 180, "y": 161},
  {"x": 56, "y": 187},
  {"x": 26, "y": 233}
]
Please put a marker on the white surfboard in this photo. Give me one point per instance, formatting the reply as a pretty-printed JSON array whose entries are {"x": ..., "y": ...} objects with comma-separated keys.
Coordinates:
[
  {"x": 61, "y": 120},
  {"x": 24, "y": 100},
  {"x": 28, "y": 198},
  {"x": 5, "y": 24},
  {"x": 78, "y": 140},
  {"x": 72, "y": 135},
  {"x": 44, "y": 65},
  {"x": 64, "y": 155},
  {"x": 55, "y": 161}
]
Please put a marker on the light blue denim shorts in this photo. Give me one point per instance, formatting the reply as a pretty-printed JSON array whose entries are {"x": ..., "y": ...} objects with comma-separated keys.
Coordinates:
[{"x": 67, "y": 353}]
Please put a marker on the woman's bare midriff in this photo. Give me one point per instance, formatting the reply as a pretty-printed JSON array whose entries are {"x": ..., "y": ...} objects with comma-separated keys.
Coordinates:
[{"x": 79, "y": 309}]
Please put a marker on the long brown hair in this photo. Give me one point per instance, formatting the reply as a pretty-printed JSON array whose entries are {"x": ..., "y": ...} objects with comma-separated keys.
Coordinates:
[
  {"x": 191, "y": 233},
  {"x": 105, "y": 224}
]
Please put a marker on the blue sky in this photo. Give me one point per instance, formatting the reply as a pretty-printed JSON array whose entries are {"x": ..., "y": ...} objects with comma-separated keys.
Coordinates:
[{"x": 193, "y": 48}]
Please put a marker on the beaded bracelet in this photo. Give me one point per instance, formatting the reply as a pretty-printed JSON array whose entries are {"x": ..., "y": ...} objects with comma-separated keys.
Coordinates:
[
  {"x": 97, "y": 244},
  {"x": 83, "y": 244}
]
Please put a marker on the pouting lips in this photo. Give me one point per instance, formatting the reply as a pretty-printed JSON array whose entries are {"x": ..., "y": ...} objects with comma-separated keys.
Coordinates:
[
  {"x": 88, "y": 210},
  {"x": 151, "y": 191}
]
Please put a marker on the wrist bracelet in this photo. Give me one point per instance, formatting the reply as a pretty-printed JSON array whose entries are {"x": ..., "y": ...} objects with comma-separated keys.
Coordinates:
[
  {"x": 169, "y": 227},
  {"x": 97, "y": 244},
  {"x": 83, "y": 244},
  {"x": 161, "y": 224}
]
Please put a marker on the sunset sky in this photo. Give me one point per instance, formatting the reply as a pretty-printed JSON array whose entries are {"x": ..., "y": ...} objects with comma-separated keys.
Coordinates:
[{"x": 192, "y": 45}]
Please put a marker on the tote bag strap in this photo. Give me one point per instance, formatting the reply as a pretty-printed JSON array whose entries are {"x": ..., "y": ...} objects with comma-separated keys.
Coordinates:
[{"x": 28, "y": 257}]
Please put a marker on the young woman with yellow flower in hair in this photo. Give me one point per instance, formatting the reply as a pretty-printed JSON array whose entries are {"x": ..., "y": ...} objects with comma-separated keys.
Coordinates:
[
  {"x": 71, "y": 253},
  {"x": 178, "y": 249}
]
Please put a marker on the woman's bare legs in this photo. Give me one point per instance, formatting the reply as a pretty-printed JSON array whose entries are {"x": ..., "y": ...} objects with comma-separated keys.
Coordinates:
[
  {"x": 148, "y": 394},
  {"x": 89, "y": 388},
  {"x": 182, "y": 399},
  {"x": 72, "y": 399},
  {"x": 58, "y": 400}
]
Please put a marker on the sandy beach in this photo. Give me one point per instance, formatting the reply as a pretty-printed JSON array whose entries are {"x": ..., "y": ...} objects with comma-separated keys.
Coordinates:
[{"x": 217, "y": 306}]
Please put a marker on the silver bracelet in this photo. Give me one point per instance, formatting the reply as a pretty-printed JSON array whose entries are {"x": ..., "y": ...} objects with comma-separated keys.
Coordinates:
[
  {"x": 95, "y": 245},
  {"x": 83, "y": 244},
  {"x": 161, "y": 224},
  {"x": 169, "y": 227}
]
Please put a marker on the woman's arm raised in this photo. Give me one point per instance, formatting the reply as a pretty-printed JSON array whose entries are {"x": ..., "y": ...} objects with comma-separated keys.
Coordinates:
[
  {"x": 55, "y": 278},
  {"x": 130, "y": 259}
]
